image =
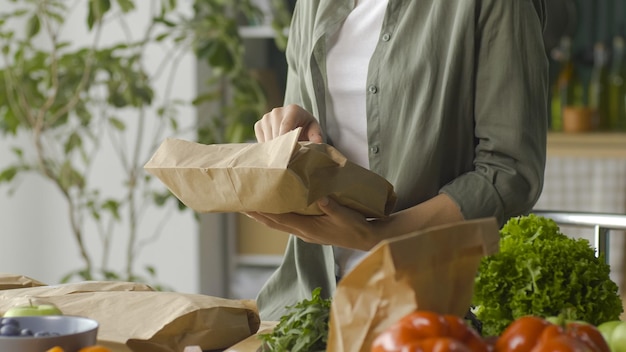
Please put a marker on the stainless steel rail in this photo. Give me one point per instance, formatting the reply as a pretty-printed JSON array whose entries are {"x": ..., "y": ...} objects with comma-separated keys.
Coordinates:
[{"x": 601, "y": 223}]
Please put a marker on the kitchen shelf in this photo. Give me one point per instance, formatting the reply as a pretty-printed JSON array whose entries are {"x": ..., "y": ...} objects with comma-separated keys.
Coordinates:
[
  {"x": 593, "y": 144},
  {"x": 259, "y": 260},
  {"x": 257, "y": 32}
]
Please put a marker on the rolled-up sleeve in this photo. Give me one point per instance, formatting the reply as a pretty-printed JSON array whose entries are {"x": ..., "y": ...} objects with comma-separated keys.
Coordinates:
[{"x": 510, "y": 108}]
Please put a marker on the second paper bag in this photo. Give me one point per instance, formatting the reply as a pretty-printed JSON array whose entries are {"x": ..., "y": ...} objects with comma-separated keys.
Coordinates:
[{"x": 428, "y": 270}]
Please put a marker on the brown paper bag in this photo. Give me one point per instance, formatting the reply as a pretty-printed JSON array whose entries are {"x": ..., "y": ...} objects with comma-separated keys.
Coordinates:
[
  {"x": 428, "y": 270},
  {"x": 149, "y": 321},
  {"x": 69, "y": 288},
  {"x": 278, "y": 176},
  {"x": 13, "y": 281},
  {"x": 432, "y": 269}
]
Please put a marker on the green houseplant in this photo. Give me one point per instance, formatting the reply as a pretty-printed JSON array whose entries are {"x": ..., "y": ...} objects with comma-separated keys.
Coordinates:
[{"x": 70, "y": 99}]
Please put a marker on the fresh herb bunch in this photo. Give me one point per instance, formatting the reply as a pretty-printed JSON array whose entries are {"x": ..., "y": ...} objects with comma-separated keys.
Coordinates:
[
  {"x": 540, "y": 271},
  {"x": 303, "y": 329}
]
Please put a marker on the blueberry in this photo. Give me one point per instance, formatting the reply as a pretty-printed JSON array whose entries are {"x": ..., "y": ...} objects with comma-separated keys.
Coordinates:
[
  {"x": 9, "y": 330},
  {"x": 9, "y": 321},
  {"x": 26, "y": 332},
  {"x": 42, "y": 334}
]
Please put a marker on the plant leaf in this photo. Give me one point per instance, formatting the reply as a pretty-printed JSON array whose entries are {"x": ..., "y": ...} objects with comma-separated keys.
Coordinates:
[
  {"x": 110, "y": 275},
  {"x": 33, "y": 26},
  {"x": 70, "y": 177},
  {"x": 117, "y": 124},
  {"x": 8, "y": 174},
  {"x": 113, "y": 207},
  {"x": 73, "y": 142},
  {"x": 126, "y": 5},
  {"x": 97, "y": 10}
]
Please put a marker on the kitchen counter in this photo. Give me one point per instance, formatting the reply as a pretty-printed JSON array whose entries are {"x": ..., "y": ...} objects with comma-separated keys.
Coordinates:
[{"x": 595, "y": 145}]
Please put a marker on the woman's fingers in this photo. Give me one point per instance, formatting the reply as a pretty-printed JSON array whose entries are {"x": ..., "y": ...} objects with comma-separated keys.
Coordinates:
[{"x": 284, "y": 119}]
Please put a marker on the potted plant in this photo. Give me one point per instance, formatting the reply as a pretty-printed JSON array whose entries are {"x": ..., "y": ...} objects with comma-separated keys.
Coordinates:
[{"x": 73, "y": 99}]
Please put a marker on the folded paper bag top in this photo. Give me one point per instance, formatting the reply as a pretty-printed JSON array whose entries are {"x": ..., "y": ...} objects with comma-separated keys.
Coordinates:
[
  {"x": 12, "y": 281},
  {"x": 278, "y": 176}
]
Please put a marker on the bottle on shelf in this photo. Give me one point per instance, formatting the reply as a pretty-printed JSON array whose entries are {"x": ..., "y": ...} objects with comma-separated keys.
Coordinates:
[
  {"x": 569, "y": 110},
  {"x": 598, "y": 88},
  {"x": 617, "y": 86},
  {"x": 561, "y": 58},
  {"x": 562, "y": 93}
]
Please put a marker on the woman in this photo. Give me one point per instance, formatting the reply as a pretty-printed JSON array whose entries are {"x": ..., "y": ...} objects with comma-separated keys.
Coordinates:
[{"x": 446, "y": 99}]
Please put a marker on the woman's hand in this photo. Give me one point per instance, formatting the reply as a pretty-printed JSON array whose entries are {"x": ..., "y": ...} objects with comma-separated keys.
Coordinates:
[
  {"x": 344, "y": 227},
  {"x": 339, "y": 226},
  {"x": 284, "y": 119}
]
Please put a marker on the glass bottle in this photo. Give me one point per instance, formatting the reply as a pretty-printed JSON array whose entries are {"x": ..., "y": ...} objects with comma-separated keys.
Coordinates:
[
  {"x": 570, "y": 112},
  {"x": 562, "y": 89},
  {"x": 617, "y": 87},
  {"x": 598, "y": 88}
]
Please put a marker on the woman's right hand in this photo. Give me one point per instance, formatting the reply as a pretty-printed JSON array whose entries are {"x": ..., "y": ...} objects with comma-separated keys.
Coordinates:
[{"x": 284, "y": 119}]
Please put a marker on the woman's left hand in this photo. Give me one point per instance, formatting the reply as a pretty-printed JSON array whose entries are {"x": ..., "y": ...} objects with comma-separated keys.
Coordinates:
[{"x": 339, "y": 226}]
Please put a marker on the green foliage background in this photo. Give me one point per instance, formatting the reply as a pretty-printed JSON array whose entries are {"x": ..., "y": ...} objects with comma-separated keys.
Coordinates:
[{"x": 67, "y": 98}]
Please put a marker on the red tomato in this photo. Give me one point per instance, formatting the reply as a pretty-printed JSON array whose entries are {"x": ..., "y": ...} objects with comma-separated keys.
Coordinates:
[
  {"x": 534, "y": 334},
  {"x": 561, "y": 343},
  {"x": 459, "y": 330},
  {"x": 589, "y": 335},
  {"x": 521, "y": 335},
  {"x": 423, "y": 331},
  {"x": 436, "y": 344}
]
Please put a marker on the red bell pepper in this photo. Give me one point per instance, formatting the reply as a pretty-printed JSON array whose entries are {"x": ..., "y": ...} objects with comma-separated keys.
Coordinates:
[
  {"x": 534, "y": 334},
  {"x": 424, "y": 331}
]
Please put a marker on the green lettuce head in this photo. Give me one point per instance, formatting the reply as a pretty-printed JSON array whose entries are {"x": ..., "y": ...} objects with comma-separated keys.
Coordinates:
[{"x": 540, "y": 271}]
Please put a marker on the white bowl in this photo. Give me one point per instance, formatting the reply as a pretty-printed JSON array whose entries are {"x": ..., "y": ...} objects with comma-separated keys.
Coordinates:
[{"x": 70, "y": 333}]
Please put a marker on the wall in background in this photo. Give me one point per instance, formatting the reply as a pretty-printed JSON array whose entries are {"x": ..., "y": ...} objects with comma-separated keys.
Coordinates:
[{"x": 34, "y": 232}]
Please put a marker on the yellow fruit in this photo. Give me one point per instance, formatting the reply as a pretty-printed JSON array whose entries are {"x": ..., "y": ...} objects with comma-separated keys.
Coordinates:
[
  {"x": 95, "y": 348},
  {"x": 56, "y": 349}
]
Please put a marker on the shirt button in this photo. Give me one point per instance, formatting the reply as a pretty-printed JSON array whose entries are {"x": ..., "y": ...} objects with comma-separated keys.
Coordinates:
[
  {"x": 386, "y": 37},
  {"x": 373, "y": 89},
  {"x": 374, "y": 149}
]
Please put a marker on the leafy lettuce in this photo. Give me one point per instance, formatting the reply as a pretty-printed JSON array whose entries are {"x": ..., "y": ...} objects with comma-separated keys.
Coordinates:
[{"x": 540, "y": 271}]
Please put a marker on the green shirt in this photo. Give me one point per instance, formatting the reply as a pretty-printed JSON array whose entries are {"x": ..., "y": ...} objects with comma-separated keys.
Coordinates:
[{"x": 457, "y": 103}]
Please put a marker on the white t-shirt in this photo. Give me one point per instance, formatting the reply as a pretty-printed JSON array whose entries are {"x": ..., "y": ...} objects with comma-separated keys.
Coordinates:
[{"x": 347, "y": 61}]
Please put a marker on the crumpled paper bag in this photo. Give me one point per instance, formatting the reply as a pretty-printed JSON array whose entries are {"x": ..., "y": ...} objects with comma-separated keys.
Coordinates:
[
  {"x": 432, "y": 269},
  {"x": 12, "y": 281},
  {"x": 428, "y": 270},
  {"x": 134, "y": 318},
  {"x": 72, "y": 287},
  {"x": 278, "y": 176}
]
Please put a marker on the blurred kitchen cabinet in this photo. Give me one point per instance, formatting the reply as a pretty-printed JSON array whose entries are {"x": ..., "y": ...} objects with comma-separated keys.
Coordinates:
[
  {"x": 257, "y": 244},
  {"x": 266, "y": 61},
  {"x": 236, "y": 254},
  {"x": 256, "y": 251}
]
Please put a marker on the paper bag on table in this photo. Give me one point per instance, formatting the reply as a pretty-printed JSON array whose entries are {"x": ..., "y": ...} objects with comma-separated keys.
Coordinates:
[
  {"x": 12, "y": 281},
  {"x": 144, "y": 320},
  {"x": 164, "y": 321},
  {"x": 278, "y": 176},
  {"x": 71, "y": 287},
  {"x": 39, "y": 293},
  {"x": 428, "y": 270}
]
